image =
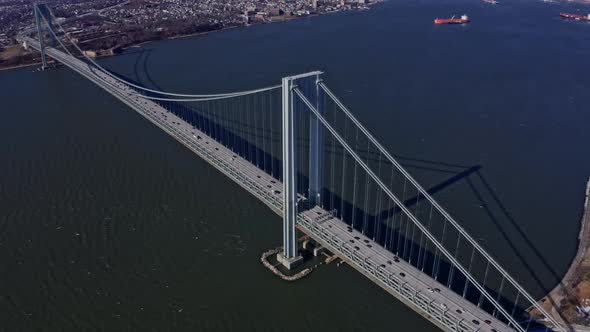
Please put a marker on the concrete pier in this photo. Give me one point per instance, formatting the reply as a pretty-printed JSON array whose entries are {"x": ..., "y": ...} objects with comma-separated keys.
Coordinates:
[
  {"x": 318, "y": 250},
  {"x": 289, "y": 263}
]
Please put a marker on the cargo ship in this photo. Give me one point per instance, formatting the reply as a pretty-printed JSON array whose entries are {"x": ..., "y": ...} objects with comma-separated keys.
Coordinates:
[
  {"x": 462, "y": 20},
  {"x": 576, "y": 17}
]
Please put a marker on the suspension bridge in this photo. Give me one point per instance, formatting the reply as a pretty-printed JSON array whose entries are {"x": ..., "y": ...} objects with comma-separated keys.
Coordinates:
[{"x": 298, "y": 149}]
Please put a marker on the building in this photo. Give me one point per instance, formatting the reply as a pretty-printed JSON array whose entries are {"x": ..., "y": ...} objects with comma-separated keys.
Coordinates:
[{"x": 90, "y": 54}]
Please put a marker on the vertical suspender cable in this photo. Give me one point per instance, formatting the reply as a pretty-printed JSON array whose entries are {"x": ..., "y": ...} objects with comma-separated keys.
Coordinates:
[
  {"x": 264, "y": 131},
  {"x": 485, "y": 277},
  {"x": 272, "y": 136},
  {"x": 401, "y": 219},
  {"x": 420, "y": 260},
  {"x": 495, "y": 312},
  {"x": 354, "y": 183},
  {"x": 258, "y": 131},
  {"x": 442, "y": 241},
  {"x": 376, "y": 222},
  {"x": 343, "y": 182},
  {"x": 333, "y": 169},
  {"x": 366, "y": 203},
  {"x": 468, "y": 271},
  {"x": 412, "y": 244},
  {"x": 452, "y": 268},
  {"x": 390, "y": 216}
]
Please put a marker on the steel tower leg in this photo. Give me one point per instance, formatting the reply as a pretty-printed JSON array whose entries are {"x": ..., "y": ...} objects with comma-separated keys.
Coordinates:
[
  {"x": 315, "y": 149},
  {"x": 289, "y": 255},
  {"x": 38, "y": 21}
]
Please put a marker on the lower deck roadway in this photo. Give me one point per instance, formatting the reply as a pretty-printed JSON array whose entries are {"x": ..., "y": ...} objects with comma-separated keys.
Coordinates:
[{"x": 422, "y": 293}]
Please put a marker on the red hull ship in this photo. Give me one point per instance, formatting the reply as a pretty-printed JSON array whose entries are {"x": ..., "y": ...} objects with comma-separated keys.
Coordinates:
[
  {"x": 462, "y": 20},
  {"x": 576, "y": 17}
]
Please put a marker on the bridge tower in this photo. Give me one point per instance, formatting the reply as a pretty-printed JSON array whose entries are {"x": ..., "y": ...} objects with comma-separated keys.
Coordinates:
[
  {"x": 290, "y": 257},
  {"x": 43, "y": 16},
  {"x": 316, "y": 143}
]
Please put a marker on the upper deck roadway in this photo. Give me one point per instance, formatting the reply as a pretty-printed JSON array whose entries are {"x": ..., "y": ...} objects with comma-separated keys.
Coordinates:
[{"x": 429, "y": 298}]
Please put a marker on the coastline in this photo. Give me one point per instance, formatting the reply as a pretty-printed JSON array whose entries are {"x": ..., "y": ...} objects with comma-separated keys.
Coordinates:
[
  {"x": 565, "y": 299},
  {"x": 283, "y": 20},
  {"x": 20, "y": 66},
  {"x": 140, "y": 44}
]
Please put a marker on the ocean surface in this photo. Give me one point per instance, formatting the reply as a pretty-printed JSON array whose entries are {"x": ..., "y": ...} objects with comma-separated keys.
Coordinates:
[{"x": 108, "y": 224}]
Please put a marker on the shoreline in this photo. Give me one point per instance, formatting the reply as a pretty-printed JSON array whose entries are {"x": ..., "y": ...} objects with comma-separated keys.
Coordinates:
[
  {"x": 561, "y": 301},
  {"x": 20, "y": 66},
  {"x": 138, "y": 45},
  {"x": 196, "y": 34}
]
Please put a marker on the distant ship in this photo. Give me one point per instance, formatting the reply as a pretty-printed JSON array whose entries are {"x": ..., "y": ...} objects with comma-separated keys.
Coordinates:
[
  {"x": 463, "y": 19},
  {"x": 493, "y": 2},
  {"x": 576, "y": 17}
]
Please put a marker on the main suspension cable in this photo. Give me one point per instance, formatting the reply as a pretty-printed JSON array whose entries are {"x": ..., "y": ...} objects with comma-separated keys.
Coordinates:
[{"x": 231, "y": 94}]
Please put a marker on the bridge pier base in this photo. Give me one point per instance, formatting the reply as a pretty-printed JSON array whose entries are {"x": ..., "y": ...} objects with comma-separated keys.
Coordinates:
[
  {"x": 289, "y": 263},
  {"x": 318, "y": 250}
]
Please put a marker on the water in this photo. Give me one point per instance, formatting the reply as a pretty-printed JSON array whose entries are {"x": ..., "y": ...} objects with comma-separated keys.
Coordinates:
[{"x": 108, "y": 224}]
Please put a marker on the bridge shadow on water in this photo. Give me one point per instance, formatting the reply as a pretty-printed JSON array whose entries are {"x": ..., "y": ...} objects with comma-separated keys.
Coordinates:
[
  {"x": 457, "y": 174},
  {"x": 242, "y": 139}
]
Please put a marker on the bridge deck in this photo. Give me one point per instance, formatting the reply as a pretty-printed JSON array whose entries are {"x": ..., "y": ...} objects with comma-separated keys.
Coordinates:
[{"x": 426, "y": 296}]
